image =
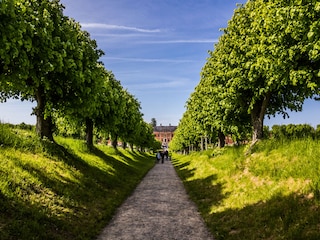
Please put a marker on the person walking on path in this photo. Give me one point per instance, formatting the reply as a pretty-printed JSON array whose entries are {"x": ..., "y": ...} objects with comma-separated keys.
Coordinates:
[
  {"x": 158, "y": 156},
  {"x": 159, "y": 208},
  {"x": 166, "y": 155},
  {"x": 162, "y": 157}
]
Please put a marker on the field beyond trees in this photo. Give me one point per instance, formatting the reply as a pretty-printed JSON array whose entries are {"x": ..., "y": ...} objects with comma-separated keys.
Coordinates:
[
  {"x": 62, "y": 190},
  {"x": 271, "y": 193}
]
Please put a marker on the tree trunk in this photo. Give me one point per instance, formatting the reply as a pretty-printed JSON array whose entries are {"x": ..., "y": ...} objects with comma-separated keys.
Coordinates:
[
  {"x": 89, "y": 132},
  {"x": 114, "y": 141},
  {"x": 257, "y": 117},
  {"x": 221, "y": 139},
  {"x": 257, "y": 125},
  {"x": 44, "y": 123},
  {"x": 124, "y": 145},
  {"x": 131, "y": 146},
  {"x": 206, "y": 143}
]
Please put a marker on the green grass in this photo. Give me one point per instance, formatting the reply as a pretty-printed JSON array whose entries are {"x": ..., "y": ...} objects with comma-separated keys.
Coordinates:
[
  {"x": 63, "y": 190},
  {"x": 271, "y": 194}
]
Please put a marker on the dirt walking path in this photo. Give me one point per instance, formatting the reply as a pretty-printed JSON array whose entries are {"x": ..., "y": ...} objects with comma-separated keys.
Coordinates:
[{"x": 159, "y": 208}]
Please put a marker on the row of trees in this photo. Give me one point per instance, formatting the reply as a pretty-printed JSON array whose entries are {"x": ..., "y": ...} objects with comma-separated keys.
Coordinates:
[
  {"x": 46, "y": 57},
  {"x": 265, "y": 63}
]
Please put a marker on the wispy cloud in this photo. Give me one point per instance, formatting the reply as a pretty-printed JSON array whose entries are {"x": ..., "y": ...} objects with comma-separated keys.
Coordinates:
[
  {"x": 150, "y": 60},
  {"x": 171, "y": 86},
  {"x": 136, "y": 39},
  {"x": 181, "y": 41},
  {"x": 119, "y": 27}
]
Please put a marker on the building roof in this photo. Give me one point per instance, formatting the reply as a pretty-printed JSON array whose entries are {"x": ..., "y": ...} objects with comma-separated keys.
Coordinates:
[{"x": 164, "y": 128}]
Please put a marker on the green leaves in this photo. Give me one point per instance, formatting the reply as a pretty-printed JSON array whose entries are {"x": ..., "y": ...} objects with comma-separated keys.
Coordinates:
[
  {"x": 47, "y": 57},
  {"x": 266, "y": 62}
]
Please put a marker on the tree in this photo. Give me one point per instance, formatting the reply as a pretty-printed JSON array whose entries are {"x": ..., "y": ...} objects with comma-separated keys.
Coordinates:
[
  {"x": 265, "y": 67},
  {"x": 211, "y": 105},
  {"x": 145, "y": 138},
  {"x": 131, "y": 120},
  {"x": 48, "y": 62},
  {"x": 24, "y": 27},
  {"x": 187, "y": 134},
  {"x": 266, "y": 62},
  {"x": 153, "y": 122},
  {"x": 279, "y": 73}
]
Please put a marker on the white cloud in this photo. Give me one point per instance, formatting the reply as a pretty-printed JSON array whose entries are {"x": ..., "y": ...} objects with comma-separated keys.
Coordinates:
[{"x": 118, "y": 27}]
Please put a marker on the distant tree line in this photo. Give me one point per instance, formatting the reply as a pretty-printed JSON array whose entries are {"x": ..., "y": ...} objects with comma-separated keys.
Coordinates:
[
  {"x": 294, "y": 131},
  {"x": 46, "y": 57},
  {"x": 266, "y": 62}
]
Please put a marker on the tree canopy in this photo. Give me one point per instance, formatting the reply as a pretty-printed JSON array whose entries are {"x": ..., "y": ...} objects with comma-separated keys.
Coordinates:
[
  {"x": 46, "y": 57},
  {"x": 266, "y": 62}
]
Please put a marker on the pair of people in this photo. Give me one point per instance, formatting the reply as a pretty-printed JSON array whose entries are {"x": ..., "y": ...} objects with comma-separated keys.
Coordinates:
[{"x": 161, "y": 155}]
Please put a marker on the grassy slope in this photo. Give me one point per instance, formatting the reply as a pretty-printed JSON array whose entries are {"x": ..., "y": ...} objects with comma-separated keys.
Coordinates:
[
  {"x": 62, "y": 192},
  {"x": 271, "y": 194}
]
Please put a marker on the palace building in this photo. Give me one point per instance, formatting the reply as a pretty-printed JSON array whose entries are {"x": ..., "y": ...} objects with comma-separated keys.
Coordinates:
[{"x": 164, "y": 134}]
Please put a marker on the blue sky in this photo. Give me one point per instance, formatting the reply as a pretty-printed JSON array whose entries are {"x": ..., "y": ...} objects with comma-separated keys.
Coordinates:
[{"x": 156, "y": 48}]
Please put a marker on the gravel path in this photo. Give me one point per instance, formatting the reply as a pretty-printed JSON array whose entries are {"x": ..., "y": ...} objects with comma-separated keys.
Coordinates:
[{"x": 159, "y": 208}]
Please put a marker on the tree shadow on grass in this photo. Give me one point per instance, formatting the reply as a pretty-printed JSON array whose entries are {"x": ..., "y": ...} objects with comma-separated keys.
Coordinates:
[
  {"x": 205, "y": 192},
  {"x": 282, "y": 217},
  {"x": 22, "y": 219},
  {"x": 83, "y": 199},
  {"x": 203, "y": 188},
  {"x": 123, "y": 174},
  {"x": 134, "y": 162},
  {"x": 293, "y": 216}
]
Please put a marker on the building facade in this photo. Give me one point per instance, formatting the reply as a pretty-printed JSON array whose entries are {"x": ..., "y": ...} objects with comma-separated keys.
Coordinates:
[{"x": 164, "y": 134}]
